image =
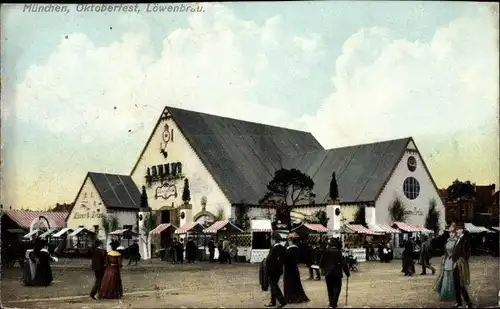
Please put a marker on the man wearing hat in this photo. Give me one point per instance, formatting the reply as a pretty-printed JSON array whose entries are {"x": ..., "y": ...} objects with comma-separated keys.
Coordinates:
[
  {"x": 274, "y": 269},
  {"x": 333, "y": 265},
  {"x": 98, "y": 258}
]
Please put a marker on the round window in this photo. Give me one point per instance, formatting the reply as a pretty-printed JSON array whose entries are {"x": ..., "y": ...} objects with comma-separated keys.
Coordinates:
[
  {"x": 337, "y": 212},
  {"x": 411, "y": 188},
  {"x": 183, "y": 215}
]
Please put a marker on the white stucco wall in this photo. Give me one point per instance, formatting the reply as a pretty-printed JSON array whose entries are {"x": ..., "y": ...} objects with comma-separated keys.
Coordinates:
[
  {"x": 201, "y": 182},
  {"x": 89, "y": 209},
  {"x": 394, "y": 188}
]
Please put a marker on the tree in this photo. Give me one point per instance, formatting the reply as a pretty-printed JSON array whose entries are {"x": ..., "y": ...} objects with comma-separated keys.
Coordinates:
[
  {"x": 149, "y": 224},
  {"x": 432, "y": 219},
  {"x": 109, "y": 224},
  {"x": 334, "y": 189},
  {"x": 360, "y": 216},
  {"x": 287, "y": 189},
  {"x": 144, "y": 199},
  {"x": 186, "y": 193},
  {"x": 318, "y": 217},
  {"x": 459, "y": 190},
  {"x": 398, "y": 211}
]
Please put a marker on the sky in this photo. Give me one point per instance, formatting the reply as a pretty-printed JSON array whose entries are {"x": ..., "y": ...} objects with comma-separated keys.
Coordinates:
[{"x": 81, "y": 91}]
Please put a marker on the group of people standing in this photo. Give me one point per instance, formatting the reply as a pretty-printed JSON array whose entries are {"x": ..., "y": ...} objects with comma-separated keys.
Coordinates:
[
  {"x": 37, "y": 270},
  {"x": 284, "y": 261},
  {"x": 106, "y": 267},
  {"x": 454, "y": 277}
]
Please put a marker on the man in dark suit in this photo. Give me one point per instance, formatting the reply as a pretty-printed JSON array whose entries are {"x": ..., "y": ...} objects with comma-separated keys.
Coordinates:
[
  {"x": 274, "y": 269},
  {"x": 333, "y": 265},
  {"x": 461, "y": 275},
  {"x": 98, "y": 259}
]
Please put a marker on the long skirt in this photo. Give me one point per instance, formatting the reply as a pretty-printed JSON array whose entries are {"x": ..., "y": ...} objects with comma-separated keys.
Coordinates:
[
  {"x": 408, "y": 265},
  {"x": 111, "y": 285},
  {"x": 444, "y": 286},
  {"x": 292, "y": 286}
]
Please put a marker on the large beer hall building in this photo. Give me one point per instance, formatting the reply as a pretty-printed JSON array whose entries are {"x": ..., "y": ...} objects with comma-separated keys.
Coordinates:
[{"x": 229, "y": 163}]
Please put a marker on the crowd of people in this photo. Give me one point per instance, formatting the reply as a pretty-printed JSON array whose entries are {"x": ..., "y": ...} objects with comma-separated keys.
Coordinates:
[
  {"x": 283, "y": 260},
  {"x": 285, "y": 255}
]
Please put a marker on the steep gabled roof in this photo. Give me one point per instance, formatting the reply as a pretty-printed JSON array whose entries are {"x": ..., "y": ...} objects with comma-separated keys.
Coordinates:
[
  {"x": 242, "y": 156},
  {"x": 24, "y": 218},
  {"x": 116, "y": 191},
  {"x": 361, "y": 170}
]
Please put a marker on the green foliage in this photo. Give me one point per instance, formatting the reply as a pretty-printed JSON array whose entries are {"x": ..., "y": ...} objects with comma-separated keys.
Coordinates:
[
  {"x": 318, "y": 217},
  {"x": 144, "y": 199},
  {"x": 459, "y": 190},
  {"x": 114, "y": 224},
  {"x": 334, "y": 189},
  {"x": 398, "y": 211},
  {"x": 220, "y": 215},
  {"x": 105, "y": 225},
  {"x": 149, "y": 222},
  {"x": 432, "y": 219},
  {"x": 186, "y": 193},
  {"x": 360, "y": 216},
  {"x": 287, "y": 189}
]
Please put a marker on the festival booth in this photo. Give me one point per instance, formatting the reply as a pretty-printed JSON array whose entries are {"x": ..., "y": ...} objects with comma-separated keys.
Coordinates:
[
  {"x": 192, "y": 229},
  {"x": 354, "y": 237},
  {"x": 408, "y": 231},
  {"x": 166, "y": 229},
  {"x": 305, "y": 230},
  {"x": 391, "y": 235},
  {"x": 124, "y": 236},
  {"x": 47, "y": 235},
  {"x": 221, "y": 229},
  {"x": 479, "y": 238},
  {"x": 33, "y": 234},
  {"x": 261, "y": 239},
  {"x": 82, "y": 240},
  {"x": 60, "y": 235}
]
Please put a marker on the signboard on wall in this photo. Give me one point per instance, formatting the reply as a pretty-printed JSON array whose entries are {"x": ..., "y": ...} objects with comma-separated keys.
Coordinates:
[
  {"x": 87, "y": 215},
  {"x": 166, "y": 191}
]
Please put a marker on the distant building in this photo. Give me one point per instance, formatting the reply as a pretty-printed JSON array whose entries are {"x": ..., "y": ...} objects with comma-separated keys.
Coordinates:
[{"x": 483, "y": 206}]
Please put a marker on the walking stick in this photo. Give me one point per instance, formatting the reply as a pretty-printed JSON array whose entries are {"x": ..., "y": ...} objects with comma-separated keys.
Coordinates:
[{"x": 346, "y": 290}]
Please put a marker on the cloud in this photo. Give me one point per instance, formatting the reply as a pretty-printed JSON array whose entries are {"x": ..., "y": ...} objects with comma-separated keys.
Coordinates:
[
  {"x": 216, "y": 64},
  {"x": 386, "y": 87}
]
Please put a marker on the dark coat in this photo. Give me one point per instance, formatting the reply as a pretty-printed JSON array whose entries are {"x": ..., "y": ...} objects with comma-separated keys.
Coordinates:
[
  {"x": 462, "y": 248},
  {"x": 98, "y": 259},
  {"x": 332, "y": 261},
  {"x": 263, "y": 276},
  {"x": 275, "y": 260}
]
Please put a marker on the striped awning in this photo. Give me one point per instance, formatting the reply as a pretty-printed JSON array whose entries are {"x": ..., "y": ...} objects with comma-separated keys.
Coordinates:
[
  {"x": 261, "y": 225},
  {"x": 358, "y": 228},
  {"x": 221, "y": 225},
  {"x": 80, "y": 230},
  {"x": 189, "y": 227},
  {"x": 496, "y": 228},
  {"x": 62, "y": 232},
  {"x": 473, "y": 229},
  {"x": 162, "y": 227},
  {"x": 405, "y": 227},
  {"x": 30, "y": 234},
  {"x": 121, "y": 232},
  {"x": 47, "y": 233},
  {"x": 424, "y": 230},
  {"x": 383, "y": 228},
  {"x": 315, "y": 227}
]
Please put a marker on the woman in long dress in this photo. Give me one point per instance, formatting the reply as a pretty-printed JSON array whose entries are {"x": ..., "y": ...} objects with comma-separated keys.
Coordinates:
[
  {"x": 292, "y": 285},
  {"x": 29, "y": 270},
  {"x": 111, "y": 286},
  {"x": 43, "y": 275},
  {"x": 444, "y": 283},
  {"x": 408, "y": 262}
]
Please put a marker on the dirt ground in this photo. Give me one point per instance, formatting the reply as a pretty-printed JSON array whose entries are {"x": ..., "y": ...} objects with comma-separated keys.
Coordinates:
[{"x": 162, "y": 285}]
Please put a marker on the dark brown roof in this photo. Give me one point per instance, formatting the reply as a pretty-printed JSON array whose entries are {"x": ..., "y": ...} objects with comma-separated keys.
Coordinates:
[
  {"x": 242, "y": 156},
  {"x": 361, "y": 171},
  {"x": 116, "y": 191}
]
